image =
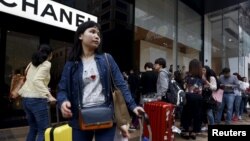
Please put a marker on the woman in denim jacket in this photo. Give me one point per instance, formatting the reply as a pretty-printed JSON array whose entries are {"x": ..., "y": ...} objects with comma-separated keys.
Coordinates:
[{"x": 87, "y": 74}]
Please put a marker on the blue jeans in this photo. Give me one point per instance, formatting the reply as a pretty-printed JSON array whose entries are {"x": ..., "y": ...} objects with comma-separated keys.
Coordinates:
[
  {"x": 228, "y": 99},
  {"x": 100, "y": 135},
  {"x": 210, "y": 116},
  {"x": 243, "y": 104},
  {"x": 237, "y": 102},
  {"x": 36, "y": 110}
]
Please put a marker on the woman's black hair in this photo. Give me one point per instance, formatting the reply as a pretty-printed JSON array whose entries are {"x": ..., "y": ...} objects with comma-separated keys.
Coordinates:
[
  {"x": 41, "y": 54},
  {"x": 210, "y": 72},
  {"x": 149, "y": 65},
  {"x": 77, "y": 49}
]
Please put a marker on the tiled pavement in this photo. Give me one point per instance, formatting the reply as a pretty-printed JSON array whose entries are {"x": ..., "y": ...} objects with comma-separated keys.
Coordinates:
[{"x": 18, "y": 134}]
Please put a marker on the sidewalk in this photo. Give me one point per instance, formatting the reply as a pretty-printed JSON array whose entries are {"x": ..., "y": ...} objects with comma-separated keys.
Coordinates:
[
  {"x": 200, "y": 137},
  {"x": 19, "y": 134}
]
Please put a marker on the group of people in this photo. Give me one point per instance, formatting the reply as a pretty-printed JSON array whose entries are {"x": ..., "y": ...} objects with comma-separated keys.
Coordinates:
[
  {"x": 86, "y": 73},
  {"x": 199, "y": 83}
]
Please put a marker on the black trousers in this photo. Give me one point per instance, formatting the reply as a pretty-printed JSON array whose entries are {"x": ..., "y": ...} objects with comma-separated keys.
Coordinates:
[{"x": 192, "y": 113}]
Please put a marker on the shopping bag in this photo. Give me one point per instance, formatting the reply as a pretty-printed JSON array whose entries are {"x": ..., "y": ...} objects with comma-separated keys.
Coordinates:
[{"x": 217, "y": 95}]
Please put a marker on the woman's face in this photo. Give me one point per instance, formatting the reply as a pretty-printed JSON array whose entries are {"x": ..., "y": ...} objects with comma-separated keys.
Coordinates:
[
  {"x": 91, "y": 38},
  {"x": 204, "y": 71}
]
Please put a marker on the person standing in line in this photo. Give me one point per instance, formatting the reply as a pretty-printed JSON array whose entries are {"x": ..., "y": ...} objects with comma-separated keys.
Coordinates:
[
  {"x": 238, "y": 98},
  {"x": 228, "y": 82},
  {"x": 133, "y": 83},
  {"x": 36, "y": 94},
  {"x": 192, "y": 110},
  {"x": 86, "y": 77},
  {"x": 211, "y": 84},
  {"x": 148, "y": 81},
  {"x": 243, "y": 104},
  {"x": 163, "y": 78}
]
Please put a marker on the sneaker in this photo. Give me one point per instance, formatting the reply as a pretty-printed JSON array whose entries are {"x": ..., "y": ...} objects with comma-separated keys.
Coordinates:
[
  {"x": 204, "y": 129},
  {"x": 240, "y": 118}
]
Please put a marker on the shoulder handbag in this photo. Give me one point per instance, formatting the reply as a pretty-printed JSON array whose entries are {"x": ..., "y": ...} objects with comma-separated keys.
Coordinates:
[
  {"x": 122, "y": 115},
  {"x": 17, "y": 82},
  {"x": 94, "y": 118},
  {"x": 217, "y": 95}
]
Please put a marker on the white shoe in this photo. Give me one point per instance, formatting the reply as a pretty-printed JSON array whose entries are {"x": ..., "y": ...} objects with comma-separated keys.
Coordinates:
[
  {"x": 240, "y": 118},
  {"x": 204, "y": 129}
]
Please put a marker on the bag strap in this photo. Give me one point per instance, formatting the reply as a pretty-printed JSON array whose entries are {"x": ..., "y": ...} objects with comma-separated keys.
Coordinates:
[
  {"x": 112, "y": 82},
  {"x": 27, "y": 69}
]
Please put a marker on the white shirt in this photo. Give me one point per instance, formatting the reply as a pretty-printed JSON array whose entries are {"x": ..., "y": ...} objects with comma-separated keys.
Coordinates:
[
  {"x": 212, "y": 83},
  {"x": 92, "y": 91},
  {"x": 37, "y": 80}
]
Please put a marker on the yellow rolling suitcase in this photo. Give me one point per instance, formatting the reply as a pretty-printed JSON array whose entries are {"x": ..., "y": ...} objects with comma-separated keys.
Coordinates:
[{"x": 59, "y": 131}]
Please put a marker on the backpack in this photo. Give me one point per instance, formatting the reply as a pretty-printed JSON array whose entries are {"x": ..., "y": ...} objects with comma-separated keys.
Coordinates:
[{"x": 175, "y": 94}]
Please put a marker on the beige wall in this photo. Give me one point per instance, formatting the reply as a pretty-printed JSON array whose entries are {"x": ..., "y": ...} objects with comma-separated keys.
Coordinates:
[{"x": 150, "y": 52}]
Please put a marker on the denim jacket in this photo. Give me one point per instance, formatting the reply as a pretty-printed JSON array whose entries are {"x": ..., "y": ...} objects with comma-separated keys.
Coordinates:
[{"x": 71, "y": 84}]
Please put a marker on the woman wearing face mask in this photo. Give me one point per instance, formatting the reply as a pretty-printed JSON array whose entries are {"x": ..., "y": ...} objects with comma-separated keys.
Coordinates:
[{"x": 86, "y": 74}]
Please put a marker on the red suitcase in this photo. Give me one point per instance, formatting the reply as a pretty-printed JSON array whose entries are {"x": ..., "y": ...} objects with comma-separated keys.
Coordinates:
[{"x": 161, "y": 116}]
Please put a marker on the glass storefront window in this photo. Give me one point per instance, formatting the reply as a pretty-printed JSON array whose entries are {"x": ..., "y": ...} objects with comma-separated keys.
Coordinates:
[
  {"x": 229, "y": 38},
  {"x": 155, "y": 32},
  {"x": 189, "y": 35},
  {"x": 244, "y": 38},
  {"x": 60, "y": 55},
  {"x": 19, "y": 49}
]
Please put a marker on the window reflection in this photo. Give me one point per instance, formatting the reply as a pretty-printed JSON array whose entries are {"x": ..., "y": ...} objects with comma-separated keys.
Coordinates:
[
  {"x": 19, "y": 49},
  {"x": 60, "y": 54},
  {"x": 155, "y": 32},
  {"x": 230, "y": 38}
]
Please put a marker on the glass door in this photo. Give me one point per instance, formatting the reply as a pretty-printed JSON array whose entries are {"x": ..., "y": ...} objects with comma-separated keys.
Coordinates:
[
  {"x": 230, "y": 38},
  {"x": 224, "y": 39},
  {"x": 19, "y": 49}
]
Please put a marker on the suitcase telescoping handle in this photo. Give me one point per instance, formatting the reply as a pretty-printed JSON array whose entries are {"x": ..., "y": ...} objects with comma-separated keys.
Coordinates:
[
  {"x": 145, "y": 119},
  {"x": 49, "y": 113}
]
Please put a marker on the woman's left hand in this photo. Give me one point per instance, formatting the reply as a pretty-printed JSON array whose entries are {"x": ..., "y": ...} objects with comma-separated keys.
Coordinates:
[{"x": 138, "y": 110}]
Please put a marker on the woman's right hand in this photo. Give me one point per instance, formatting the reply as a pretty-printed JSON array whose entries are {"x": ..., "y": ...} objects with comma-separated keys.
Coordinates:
[
  {"x": 51, "y": 99},
  {"x": 65, "y": 109}
]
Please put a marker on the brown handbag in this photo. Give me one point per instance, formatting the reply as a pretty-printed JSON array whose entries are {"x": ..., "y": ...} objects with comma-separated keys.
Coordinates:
[
  {"x": 122, "y": 115},
  {"x": 17, "y": 82}
]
